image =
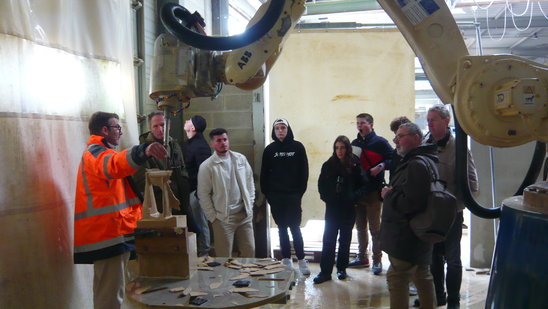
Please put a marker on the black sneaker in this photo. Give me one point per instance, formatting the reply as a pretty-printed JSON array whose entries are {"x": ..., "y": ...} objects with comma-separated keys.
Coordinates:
[
  {"x": 440, "y": 302},
  {"x": 359, "y": 263},
  {"x": 341, "y": 274},
  {"x": 321, "y": 278},
  {"x": 453, "y": 305},
  {"x": 453, "y": 301},
  {"x": 441, "y": 299}
]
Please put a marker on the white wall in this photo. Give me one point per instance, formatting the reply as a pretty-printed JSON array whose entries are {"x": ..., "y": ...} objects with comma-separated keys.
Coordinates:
[{"x": 510, "y": 167}]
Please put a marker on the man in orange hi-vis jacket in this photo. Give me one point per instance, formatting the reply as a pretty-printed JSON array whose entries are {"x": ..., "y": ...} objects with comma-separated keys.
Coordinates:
[{"x": 106, "y": 207}]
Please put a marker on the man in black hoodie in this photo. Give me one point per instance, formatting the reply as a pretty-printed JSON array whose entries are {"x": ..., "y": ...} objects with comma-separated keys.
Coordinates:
[
  {"x": 284, "y": 177},
  {"x": 195, "y": 151}
]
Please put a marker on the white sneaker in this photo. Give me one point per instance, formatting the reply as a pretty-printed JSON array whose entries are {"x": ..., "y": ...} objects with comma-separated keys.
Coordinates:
[
  {"x": 303, "y": 267},
  {"x": 288, "y": 263}
]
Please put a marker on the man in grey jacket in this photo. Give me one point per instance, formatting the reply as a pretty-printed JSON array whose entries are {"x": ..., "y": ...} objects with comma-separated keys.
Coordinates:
[
  {"x": 227, "y": 192},
  {"x": 448, "y": 251}
]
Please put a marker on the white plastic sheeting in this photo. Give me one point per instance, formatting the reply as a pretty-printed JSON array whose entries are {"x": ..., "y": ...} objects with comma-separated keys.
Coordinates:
[{"x": 60, "y": 61}]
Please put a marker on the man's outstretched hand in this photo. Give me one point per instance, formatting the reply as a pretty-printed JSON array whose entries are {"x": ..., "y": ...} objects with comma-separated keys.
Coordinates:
[{"x": 156, "y": 150}]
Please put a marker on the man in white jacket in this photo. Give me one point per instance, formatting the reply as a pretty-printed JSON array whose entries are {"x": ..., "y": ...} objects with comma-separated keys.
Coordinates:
[{"x": 227, "y": 192}]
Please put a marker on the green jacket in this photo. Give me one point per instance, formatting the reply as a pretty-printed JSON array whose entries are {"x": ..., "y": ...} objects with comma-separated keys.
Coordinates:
[{"x": 175, "y": 162}]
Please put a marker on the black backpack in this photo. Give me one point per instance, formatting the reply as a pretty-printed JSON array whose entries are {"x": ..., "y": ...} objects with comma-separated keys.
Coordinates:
[{"x": 433, "y": 224}]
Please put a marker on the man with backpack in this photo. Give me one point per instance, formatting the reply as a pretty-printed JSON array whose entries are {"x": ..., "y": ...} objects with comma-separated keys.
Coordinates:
[{"x": 405, "y": 197}]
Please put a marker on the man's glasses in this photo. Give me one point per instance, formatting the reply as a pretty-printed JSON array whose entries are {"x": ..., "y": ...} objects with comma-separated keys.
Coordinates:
[
  {"x": 400, "y": 136},
  {"x": 116, "y": 127}
]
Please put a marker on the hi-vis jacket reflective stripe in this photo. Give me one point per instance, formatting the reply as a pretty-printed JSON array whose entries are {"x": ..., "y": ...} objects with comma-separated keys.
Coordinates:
[{"x": 106, "y": 206}]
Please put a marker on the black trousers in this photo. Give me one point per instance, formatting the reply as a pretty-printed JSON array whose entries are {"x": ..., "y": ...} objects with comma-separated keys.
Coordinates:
[
  {"x": 448, "y": 252},
  {"x": 287, "y": 212},
  {"x": 338, "y": 222}
]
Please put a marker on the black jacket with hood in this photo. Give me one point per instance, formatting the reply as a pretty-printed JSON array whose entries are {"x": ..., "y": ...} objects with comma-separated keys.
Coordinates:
[
  {"x": 284, "y": 166},
  {"x": 339, "y": 189},
  {"x": 195, "y": 152}
]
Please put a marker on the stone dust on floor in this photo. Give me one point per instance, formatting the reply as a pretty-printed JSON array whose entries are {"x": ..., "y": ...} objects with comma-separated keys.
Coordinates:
[{"x": 362, "y": 289}]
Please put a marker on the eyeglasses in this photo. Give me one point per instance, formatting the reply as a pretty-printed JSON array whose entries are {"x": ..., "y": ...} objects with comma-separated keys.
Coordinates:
[
  {"x": 116, "y": 127},
  {"x": 398, "y": 137}
]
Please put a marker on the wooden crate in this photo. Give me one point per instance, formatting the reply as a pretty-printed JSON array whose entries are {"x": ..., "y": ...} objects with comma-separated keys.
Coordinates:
[{"x": 170, "y": 252}]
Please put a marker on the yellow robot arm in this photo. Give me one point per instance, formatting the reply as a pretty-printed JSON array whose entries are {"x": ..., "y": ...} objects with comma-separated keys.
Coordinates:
[
  {"x": 182, "y": 71},
  {"x": 499, "y": 100},
  {"x": 247, "y": 67}
]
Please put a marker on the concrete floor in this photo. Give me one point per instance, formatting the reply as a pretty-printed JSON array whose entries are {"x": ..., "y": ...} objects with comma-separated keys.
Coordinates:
[{"x": 362, "y": 289}]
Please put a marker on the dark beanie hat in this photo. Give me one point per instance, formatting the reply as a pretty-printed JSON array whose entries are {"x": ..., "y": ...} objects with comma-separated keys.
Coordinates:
[{"x": 199, "y": 123}]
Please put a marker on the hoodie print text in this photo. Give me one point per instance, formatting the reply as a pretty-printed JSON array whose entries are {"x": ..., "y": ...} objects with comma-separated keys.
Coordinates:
[{"x": 284, "y": 154}]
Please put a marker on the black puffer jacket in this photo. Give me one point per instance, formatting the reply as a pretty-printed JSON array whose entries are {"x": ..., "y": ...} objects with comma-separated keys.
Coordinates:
[
  {"x": 285, "y": 166},
  {"x": 411, "y": 186},
  {"x": 338, "y": 188}
]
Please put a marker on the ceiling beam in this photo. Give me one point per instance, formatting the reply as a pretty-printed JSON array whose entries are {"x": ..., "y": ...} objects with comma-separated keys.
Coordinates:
[
  {"x": 461, "y": 4},
  {"x": 529, "y": 52},
  {"x": 341, "y": 6}
]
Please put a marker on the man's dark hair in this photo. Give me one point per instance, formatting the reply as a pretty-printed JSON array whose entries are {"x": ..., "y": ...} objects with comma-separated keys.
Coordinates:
[
  {"x": 154, "y": 113},
  {"x": 99, "y": 120},
  {"x": 215, "y": 132},
  {"x": 367, "y": 117},
  {"x": 412, "y": 129},
  {"x": 397, "y": 122}
]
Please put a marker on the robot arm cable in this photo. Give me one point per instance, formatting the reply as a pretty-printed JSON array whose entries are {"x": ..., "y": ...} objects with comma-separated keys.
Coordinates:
[
  {"x": 172, "y": 13},
  {"x": 463, "y": 188}
]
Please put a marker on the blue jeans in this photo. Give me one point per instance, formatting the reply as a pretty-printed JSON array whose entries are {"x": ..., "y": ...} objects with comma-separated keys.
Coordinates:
[{"x": 203, "y": 239}]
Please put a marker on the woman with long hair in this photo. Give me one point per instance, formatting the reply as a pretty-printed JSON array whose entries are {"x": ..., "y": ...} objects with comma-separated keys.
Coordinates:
[{"x": 340, "y": 185}]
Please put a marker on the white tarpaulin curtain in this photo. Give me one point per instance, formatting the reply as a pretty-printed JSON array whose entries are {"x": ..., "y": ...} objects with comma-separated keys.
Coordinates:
[{"x": 60, "y": 61}]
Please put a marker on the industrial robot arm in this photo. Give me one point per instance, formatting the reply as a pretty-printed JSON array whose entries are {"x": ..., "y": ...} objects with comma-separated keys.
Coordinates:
[
  {"x": 185, "y": 65},
  {"x": 499, "y": 100}
]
